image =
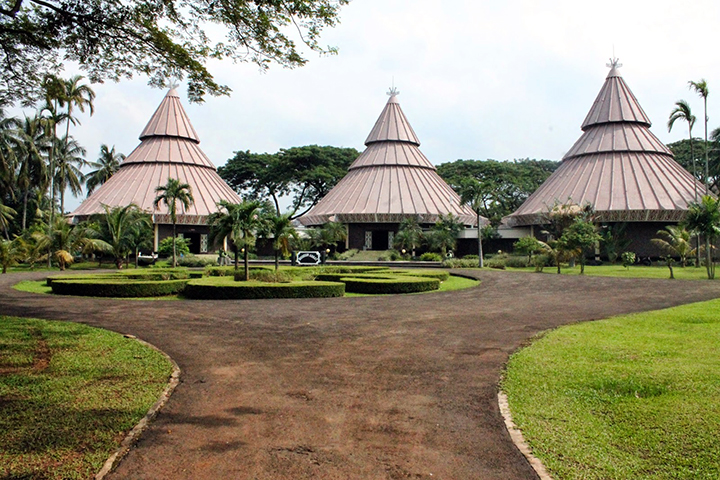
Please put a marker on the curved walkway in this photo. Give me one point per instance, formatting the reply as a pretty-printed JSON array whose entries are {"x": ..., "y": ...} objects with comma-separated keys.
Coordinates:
[{"x": 365, "y": 387}]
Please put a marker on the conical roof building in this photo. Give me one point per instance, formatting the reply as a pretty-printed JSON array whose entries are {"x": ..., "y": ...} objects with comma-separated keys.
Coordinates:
[
  {"x": 169, "y": 148},
  {"x": 390, "y": 181},
  {"x": 618, "y": 166}
]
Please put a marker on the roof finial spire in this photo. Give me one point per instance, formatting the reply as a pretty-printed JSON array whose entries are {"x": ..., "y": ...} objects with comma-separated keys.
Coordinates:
[
  {"x": 393, "y": 91},
  {"x": 614, "y": 62}
]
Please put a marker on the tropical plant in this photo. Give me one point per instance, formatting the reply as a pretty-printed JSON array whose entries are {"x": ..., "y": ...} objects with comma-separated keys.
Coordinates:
[
  {"x": 105, "y": 166},
  {"x": 614, "y": 241},
  {"x": 409, "y": 236},
  {"x": 328, "y": 235},
  {"x": 122, "y": 229},
  {"x": 701, "y": 88},
  {"x": 674, "y": 241},
  {"x": 11, "y": 252},
  {"x": 628, "y": 258},
  {"x": 472, "y": 193},
  {"x": 682, "y": 112},
  {"x": 240, "y": 222},
  {"x": 69, "y": 159},
  {"x": 67, "y": 240},
  {"x": 282, "y": 232},
  {"x": 443, "y": 235},
  {"x": 170, "y": 194},
  {"x": 6, "y": 215},
  {"x": 703, "y": 217},
  {"x": 182, "y": 247},
  {"x": 31, "y": 149}
]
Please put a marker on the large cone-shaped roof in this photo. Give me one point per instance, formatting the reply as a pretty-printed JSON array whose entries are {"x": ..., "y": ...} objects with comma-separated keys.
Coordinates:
[
  {"x": 617, "y": 165},
  {"x": 390, "y": 181},
  {"x": 169, "y": 148}
]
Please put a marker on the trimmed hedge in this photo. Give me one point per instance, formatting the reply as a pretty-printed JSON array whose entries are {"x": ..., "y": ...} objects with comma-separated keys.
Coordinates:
[
  {"x": 400, "y": 284},
  {"x": 120, "y": 288},
  {"x": 231, "y": 290},
  {"x": 229, "y": 271},
  {"x": 441, "y": 275}
]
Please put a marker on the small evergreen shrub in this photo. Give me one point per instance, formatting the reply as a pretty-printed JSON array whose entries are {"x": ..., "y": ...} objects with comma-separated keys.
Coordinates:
[
  {"x": 229, "y": 271},
  {"x": 471, "y": 257},
  {"x": 515, "y": 261},
  {"x": 541, "y": 261},
  {"x": 192, "y": 261},
  {"x": 431, "y": 257},
  {"x": 182, "y": 247},
  {"x": 461, "y": 263},
  {"x": 497, "y": 262}
]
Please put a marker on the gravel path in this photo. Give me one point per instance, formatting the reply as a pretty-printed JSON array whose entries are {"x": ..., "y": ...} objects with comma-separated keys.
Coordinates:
[{"x": 347, "y": 388}]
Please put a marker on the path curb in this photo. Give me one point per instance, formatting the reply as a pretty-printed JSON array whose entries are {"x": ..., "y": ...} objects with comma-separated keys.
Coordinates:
[
  {"x": 517, "y": 438},
  {"x": 137, "y": 430}
]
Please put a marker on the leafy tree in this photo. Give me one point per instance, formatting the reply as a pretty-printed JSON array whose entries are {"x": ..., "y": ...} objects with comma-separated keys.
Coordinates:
[
  {"x": 240, "y": 222},
  {"x": 674, "y": 240},
  {"x": 282, "y": 232},
  {"x": 701, "y": 88},
  {"x": 703, "y": 217},
  {"x": 6, "y": 215},
  {"x": 504, "y": 186},
  {"x": 473, "y": 194},
  {"x": 8, "y": 155},
  {"x": 562, "y": 215},
  {"x": 105, "y": 166},
  {"x": 443, "y": 235},
  {"x": 170, "y": 194},
  {"x": 69, "y": 159},
  {"x": 409, "y": 236},
  {"x": 528, "y": 246},
  {"x": 110, "y": 40},
  {"x": 305, "y": 173},
  {"x": 32, "y": 172},
  {"x": 578, "y": 238}
]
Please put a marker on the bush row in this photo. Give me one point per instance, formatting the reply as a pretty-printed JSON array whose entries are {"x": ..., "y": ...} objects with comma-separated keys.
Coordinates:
[
  {"x": 401, "y": 284},
  {"x": 197, "y": 289},
  {"x": 94, "y": 287},
  {"x": 441, "y": 275},
  {"x": 229, "y": 271}
]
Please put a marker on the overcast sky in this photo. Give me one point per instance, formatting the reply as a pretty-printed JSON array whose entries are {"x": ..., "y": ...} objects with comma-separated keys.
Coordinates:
[{"x": 478, "y": 79}]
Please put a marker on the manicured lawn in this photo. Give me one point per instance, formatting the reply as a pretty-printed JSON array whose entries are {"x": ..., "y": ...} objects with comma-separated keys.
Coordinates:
[
  {"x": 69, "y": 394},
  {"x": 635, "y": 271},
  {"x": 635, "y": 397}
]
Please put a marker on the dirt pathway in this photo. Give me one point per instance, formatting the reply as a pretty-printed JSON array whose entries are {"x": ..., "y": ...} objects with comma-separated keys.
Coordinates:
[{"x": 347, "y": 388}]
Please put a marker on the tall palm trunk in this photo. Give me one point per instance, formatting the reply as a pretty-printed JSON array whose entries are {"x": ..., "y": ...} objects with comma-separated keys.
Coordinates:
[
  {"x": 480, "y": 252},
  {"x": 174, "y": 246},
  {"x": 25, "y": 202},
  {"x": 707, "y": 169},
  {"x": 247, "y": 266}
]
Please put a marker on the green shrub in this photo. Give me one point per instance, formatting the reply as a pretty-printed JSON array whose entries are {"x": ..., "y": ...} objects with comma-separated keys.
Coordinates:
[
  {"x": 266, "y": 276},
  {"x": 471, "y": 257},
  {"x": 192, "y": 261},
  {"x": 461, "y": 263},
  {"x": 229, "y": 271},
  {"x": 227, "y": 289},
  {"x": 497, "y": 262},
  {"x": 121, "y": 288},
  {"x": 515, "y": 261},
  {"x": 388, "y": 286},
  {"x": 182, "y": 247},
  {"x": 431, "y": 257},
  {"x": 347, "y": 254},
  {"x": 441, "y": 275},
  {"x": 541, "y": 261},
  {"x": 157, "y": 274}
]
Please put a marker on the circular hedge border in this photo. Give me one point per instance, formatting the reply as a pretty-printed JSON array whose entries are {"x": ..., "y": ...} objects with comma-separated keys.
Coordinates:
[
  {"x": 116, "y": 287},
  {"x": 232, "y": 290}
]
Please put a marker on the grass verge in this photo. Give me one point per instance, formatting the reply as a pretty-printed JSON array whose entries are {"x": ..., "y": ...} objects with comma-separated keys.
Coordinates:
[
  {"x": 635, "y": 271},
  {"x": 68, "y": 395},
  {"x": 635, "y": 396}
]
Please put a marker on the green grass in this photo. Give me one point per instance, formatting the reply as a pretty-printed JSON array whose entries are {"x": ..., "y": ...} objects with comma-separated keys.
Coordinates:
[
  {"x": 68, "y": 395},
  {"x": 635, "y": 271},
  {"x": 635, "y": 396}
]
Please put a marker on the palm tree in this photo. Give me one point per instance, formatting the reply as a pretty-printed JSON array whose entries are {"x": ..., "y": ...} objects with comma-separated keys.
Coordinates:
[
  {"x": 11, "y": 251},
  {"x": 6, "y": 214},
  {"x": 675, "y": 241},
  {"x": 473, "y": 194},
  {"x": 409, "y": 235},
  {"x": 701, "y": 89},
  {"x": 66, "y": 240},
  {"x": 282, "y": 231},
  {"x": 69, "y": 159},
  {"x": 240, "y": 222},
  {"x": 8, "y": 154},
  {"x": 682, "y": 112},
  {"x": 105, "y": 167},
  {"x": 118, "y": 227},
  {"x": 444, "y": 233},
  {"x": 31, "y": 172},
  {"x": 170, "y": 194},
  {"x": 704, "y": 218}
]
